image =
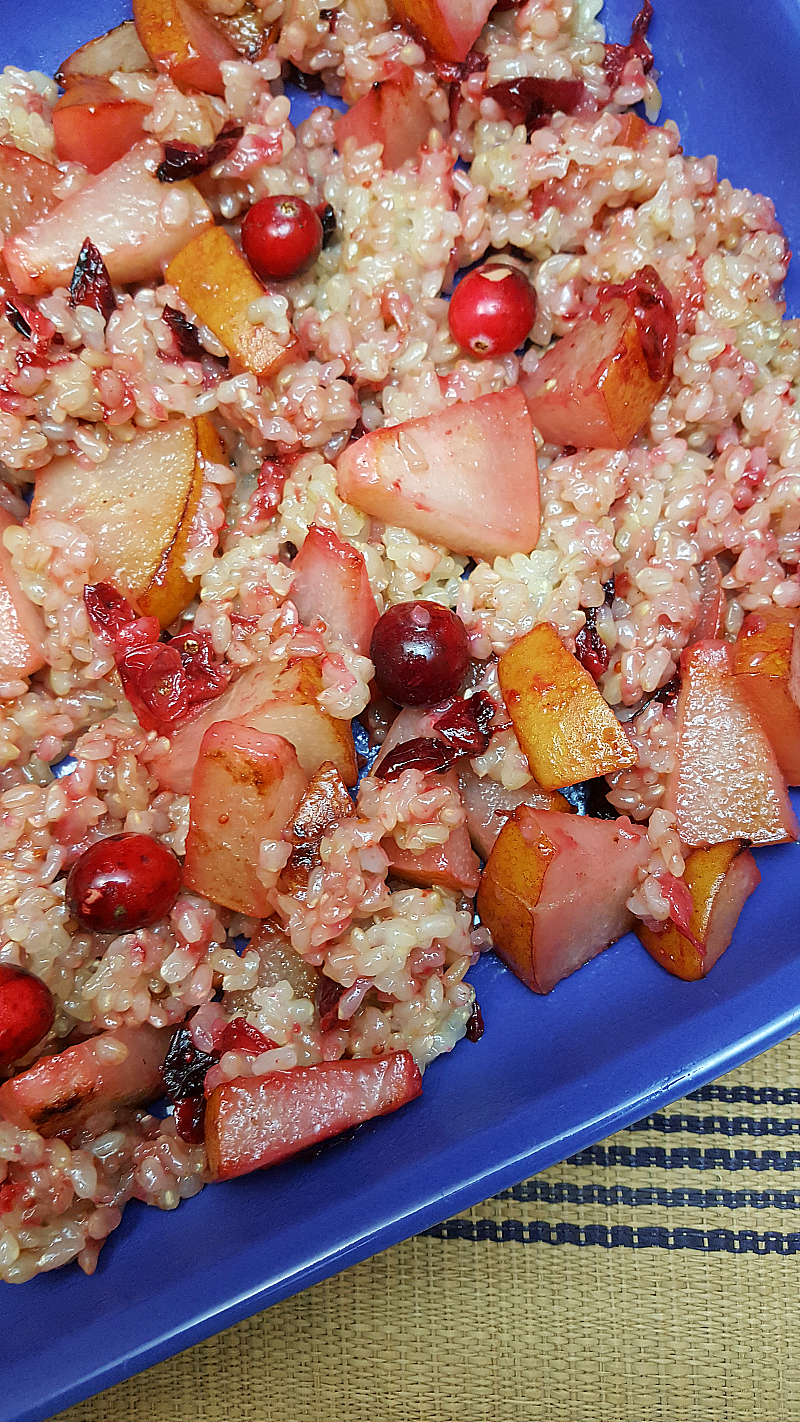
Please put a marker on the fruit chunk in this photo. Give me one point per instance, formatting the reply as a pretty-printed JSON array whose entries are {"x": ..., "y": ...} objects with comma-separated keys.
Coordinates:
[
  {"x": 394, "y": 114},
  {"x": 596, "y": 387},
  {"x": 330, "y": 581},
  {"x": 720, "y": 881},
  {"x": 281, "y": 236},
  {"x": 554, "y": 891},
  {"x": 137, "y": 509},
  {"x": 217, "y": 283},
  {"x": 466, "y": 477},
  {"x": 94, "y": 124},
  {"x": 726, "y": 783},
  {"x": 135, "y": 224},
  {"x": 119, "y": 51},
  {"x": 489, "y": 804},
  {"x": 183, "y": 43},
  {"x": 119, "y": 1068},
  {"x": 27, "y": 1012},
  {"x": 26, "y": 189},
  {"x": 566, "y": 729},
  {"x": 323, "y": 805},
  {"x": 257, "y": 1121},
  {"x": 766, "y": 662},
  {"x": 421, "y": 653},
  {"x": 22, "y": 629},
  {"x": 283, "y": 702},
  {"x": 450, "y": 27},
  {"x": 123, "y": 882},
  {"x": 245, "y": 788}
]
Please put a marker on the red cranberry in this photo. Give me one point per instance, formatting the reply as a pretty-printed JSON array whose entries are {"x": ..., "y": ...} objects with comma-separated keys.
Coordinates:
[
  {"x": 26, "y": 1012},
  {"x": 421, "y": 653},
  {"x": 123, "y": 882},
  {"x": 492, "y": 310},
  {"x": 281, "y": 236}
]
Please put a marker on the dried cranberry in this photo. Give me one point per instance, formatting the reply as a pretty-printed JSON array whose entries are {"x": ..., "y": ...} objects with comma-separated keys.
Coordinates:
[
  {"x": 420, "y": 652},
  {"x": 422, "y": 753},
  {"x": 328, "y": 995},
  {"x": 18, "y": 321},
  {"x": 91, "y": 284},
  {"x": 610, "y": 590},
  {"x": 617, "y": 55},
  {"x": 281, "y": 236},
  {"x": 27, "y": 1012},
  {"x": 205, "y": 676},
  {"x": 449, "y": 71},
  {"x": 590, "y": 649},
  {"x": 466, "y": 724},
  {"x": 190, "y": 1119},
  {"x": 327, "y": 217},
  {"x": 654, "y": 312},
  {"x": 187, "y": 336},
  {"x": 185, "y": 1066},
  {"x": 475, "y": 1026},
  {"x": 492, "y": 310},
  {"x": 187, "y": 160},
  {"x": 533, "y": 101},
  {"x": 123, "y": 882},
  {"x": 107, "y": 609},
  {"x": 241, "y": 1036}
]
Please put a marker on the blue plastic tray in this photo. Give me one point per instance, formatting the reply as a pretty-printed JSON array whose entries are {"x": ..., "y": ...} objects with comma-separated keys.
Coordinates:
[{"x": 551, "y": 1074}]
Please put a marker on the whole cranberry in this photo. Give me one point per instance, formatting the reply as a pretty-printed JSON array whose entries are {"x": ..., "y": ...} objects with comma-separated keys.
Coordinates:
[
  {"x": 123, "y": 882},
  {"x": 421, "y": 653},
  {"x": 281, "y": 236},
  {"x": 27, "y": 1012},
  {"x": 492, "y": 310}
]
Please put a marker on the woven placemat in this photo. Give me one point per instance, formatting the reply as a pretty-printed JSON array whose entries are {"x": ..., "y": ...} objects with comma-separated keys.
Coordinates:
[{"x": 653, "y": 1278}]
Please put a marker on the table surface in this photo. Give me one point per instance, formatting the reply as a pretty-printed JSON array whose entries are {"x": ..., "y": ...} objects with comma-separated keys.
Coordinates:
[{"x": 652, "y": 1278}]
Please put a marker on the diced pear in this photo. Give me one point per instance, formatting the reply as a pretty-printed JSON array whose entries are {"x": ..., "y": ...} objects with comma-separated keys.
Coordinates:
[
  {"x": 324, "y": 804},
  {"x": 58, "y": 1093},
  {"x": 489, "y": 804},
  {"x": 727, "y": 783},
  {"x": 593, "y": 388},
  {"x": 466, "y": 477},
  {"x": 566, "y": 729},
  {"x": 393, "y": 114},
  {"x": 451, "y": 27},
  {"x": 214, "y": 279},
  {"x": 137, "y": 509},
  {"x": 720, "y": 881},
  {"x": 330, "y": 581},
  {"x": 26, "y": 189},
  {"x": 184, "y": 43},
  {"x": 94, "y": 124},
  {"x": 555, "y": 888},
  {"x": 766, "y": 662},
  {"x": 120, "y": 51},
  {"x": 137, "y": 224},
  {"x": 282, "y": 702},
  {"x": 245, "y": 789},
  {"x": 22, "y": 629}
]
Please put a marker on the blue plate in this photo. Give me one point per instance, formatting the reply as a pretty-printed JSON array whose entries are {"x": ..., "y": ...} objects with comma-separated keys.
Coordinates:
[{"x": 551, "y": 1074}]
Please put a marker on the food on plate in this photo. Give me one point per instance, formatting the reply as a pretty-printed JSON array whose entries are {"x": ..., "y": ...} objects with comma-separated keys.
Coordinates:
[
  {"x": 704, "y": 909},
  {"x": 399, "y": 559}
]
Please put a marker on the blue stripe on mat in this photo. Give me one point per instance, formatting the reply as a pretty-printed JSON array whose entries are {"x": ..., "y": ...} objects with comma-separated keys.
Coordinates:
[
  {"x": 718, "y": 1125},
  {"x": 687, "y": 1158},
  {"x": 563, "y": 1192},
  {"x": 712, "y": 1241},
  {"x": 753, "y": 1095}
]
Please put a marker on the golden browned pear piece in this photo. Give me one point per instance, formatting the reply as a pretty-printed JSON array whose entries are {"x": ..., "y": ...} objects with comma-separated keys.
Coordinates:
[
  {"x": 245, "y": 789},
  {"x": 720, "y": 880},
  {"x": 184, "y": 43},
  {"x": 219, "y": 285},
  {"x": 566, "y": 729},
  {"x": 555, "y": 888},
  {"x": 137, "y": 508},
  {"x": 120, "y": 51},
  {"x": 766, "y": 663}
]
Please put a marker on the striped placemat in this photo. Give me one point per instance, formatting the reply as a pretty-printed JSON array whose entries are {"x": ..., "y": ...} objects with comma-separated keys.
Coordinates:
[{"x": 651, "y": 1278}]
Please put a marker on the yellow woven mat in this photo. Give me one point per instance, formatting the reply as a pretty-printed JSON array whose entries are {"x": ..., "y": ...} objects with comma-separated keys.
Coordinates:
[{"x": 655, "y": 1278}]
